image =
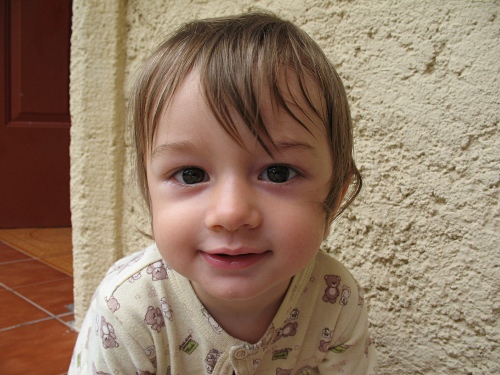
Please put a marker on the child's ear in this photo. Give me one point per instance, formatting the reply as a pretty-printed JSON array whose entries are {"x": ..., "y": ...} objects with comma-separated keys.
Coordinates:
[{"x": 329, "y": 221}]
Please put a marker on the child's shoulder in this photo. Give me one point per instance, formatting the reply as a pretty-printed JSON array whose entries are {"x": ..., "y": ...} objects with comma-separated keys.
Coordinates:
[
  {"x": 130, "y": 268},
  {"x": 339, "y": 283},
  {"x": 327, "y": 264}
]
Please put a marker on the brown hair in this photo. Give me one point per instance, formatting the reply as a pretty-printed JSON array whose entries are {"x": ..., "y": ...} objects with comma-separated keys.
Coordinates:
[{"x": 236, "y": 57}]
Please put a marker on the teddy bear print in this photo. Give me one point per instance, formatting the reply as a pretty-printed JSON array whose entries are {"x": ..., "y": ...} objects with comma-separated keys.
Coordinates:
[
  {"x": 280, "y": 371},
  {"x": 158, "y": 270},
  {"x": 95, "y": 372},
  {"x": 293, "y": 315},
  {"x": 344, "y": 296},
  {"x": 108, "y": 335},
  {"x": 256, "y": 363},
  {"x": 211, "y": 360},
  {"x": 154, "y": 318},
  {"x": 332, "y": 289},
  {"x": 289, "y": 329},
  {"x": 112, "y": 303},
  {"x": 151, "y": 353},
  {"x": 324, "y": 344},
  {"x": 339, "y": 367},
  {"x": 134, "y": 277},
  {"x": 136, "y": 258},
  {"x": 307, "y": 370},
  {"x": 268, "y": 336},
  {"x": 215, "y": 326},
  {"x": 119, "y": 267},
  {"x": 165, "y": 308}
]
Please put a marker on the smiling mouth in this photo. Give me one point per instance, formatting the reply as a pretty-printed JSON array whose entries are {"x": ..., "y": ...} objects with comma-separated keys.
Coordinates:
[{"x": 233, "y": 262}]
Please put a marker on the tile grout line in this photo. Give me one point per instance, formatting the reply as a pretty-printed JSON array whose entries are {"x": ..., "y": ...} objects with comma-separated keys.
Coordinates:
[
  {"x": 69, "y": 324},
  {"x": 18, "y": 249},
  {"x": 42, "y": 282},
  {"x": 26, "y": 324},
  {"x": 38, "y": 258},
  {"x": 16, "y": 261},
  {"x": 30, "y": 254},
  {"x": 51, "y": 316}
]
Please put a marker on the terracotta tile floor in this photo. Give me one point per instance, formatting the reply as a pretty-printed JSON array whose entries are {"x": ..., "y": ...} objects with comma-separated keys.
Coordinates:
[{"x": 36, "y": 301}]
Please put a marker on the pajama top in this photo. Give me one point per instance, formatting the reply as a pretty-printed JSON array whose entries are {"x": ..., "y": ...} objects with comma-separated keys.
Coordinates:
[{"x": 145, "y": 318}]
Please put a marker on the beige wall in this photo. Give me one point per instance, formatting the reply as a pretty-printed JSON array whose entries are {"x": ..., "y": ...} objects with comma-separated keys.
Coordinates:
[{"x": 423, "y": 238}]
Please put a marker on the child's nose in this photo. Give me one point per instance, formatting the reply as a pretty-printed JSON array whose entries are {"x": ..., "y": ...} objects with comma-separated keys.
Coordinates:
[{"x": 233, "y": 206}]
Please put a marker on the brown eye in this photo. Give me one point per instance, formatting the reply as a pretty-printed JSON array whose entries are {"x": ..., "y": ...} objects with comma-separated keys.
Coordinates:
[{"x": 192, "y": 176}]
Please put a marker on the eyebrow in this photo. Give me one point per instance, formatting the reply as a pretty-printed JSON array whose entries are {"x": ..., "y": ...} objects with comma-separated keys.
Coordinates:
[
  {"x": 173, "y": 146},
  {"x": 291, "y": 144},
  {"x": 187, "y": 146},
  {"x": 295, "y": 145}
]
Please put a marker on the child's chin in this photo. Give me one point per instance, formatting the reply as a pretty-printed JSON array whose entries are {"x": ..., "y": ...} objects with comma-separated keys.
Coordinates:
[
  {"x": 252, "y": 292},
  {"x": 235, "y": 294}
]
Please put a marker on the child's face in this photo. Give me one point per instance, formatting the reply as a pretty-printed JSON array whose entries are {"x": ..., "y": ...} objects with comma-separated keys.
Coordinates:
[{"x": 236, "y": 222}]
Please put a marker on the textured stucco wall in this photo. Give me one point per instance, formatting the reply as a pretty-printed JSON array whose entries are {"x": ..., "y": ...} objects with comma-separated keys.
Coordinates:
[
  {"x": 97, "y": 145},
  {"x": 424, "y": 236}
]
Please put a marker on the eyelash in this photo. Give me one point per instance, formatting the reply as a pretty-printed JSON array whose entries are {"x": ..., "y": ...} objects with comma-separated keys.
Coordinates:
[
  {"x": 175, "y": 176},
  {"x": 290, "y": 174}
]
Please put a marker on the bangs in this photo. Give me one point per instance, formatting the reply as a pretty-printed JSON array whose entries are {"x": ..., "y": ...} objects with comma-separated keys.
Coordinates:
[
  {"x": 246, "y": 66},
  {"x": 241, "y": 65}
]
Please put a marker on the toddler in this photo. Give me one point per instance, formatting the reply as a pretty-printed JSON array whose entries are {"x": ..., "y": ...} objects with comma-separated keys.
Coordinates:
[{"x": 244, "y": 157}]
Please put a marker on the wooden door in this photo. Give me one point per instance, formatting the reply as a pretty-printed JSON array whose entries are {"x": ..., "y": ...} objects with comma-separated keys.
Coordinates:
[{"x": 34, "y": 113}]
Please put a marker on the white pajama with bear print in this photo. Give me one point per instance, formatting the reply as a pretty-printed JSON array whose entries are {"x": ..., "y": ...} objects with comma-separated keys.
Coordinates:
[{"x": 145, "y": 318}]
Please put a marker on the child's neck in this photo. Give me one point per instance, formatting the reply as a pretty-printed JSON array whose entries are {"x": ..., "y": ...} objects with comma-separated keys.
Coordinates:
[{"x": 245, "y": 320}]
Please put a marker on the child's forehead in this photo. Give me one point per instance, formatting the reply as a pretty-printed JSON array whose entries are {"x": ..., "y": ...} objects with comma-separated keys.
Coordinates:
[
  {"x": 290, "y": 98},
  {"x": 288, "y": 124}
]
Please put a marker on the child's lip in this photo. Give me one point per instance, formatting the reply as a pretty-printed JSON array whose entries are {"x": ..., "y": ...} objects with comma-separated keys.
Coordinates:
[
  {"x": 235, "y": 259},
  {"x": 234, "y": 252}
]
